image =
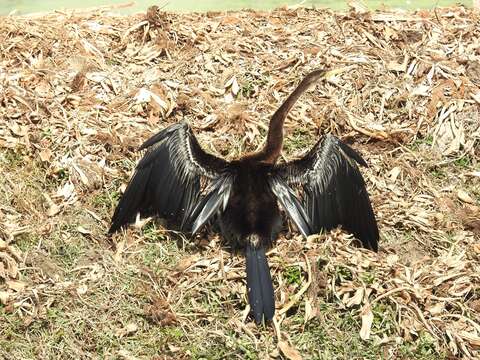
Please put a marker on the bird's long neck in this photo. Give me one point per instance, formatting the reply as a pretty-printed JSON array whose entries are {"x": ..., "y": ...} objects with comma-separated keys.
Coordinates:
[{"x": 271, "y": 151}]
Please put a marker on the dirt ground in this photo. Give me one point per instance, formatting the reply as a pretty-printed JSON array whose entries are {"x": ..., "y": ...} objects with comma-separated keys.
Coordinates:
[{"x": 80, "y": 91}]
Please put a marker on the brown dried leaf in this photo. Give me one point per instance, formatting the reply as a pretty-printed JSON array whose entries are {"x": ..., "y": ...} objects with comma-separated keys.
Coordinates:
[
  {"x": 16, "y": 285},
  {"x": 435, "y": 308},
  {"x": 310, "y": 310},
  {"x": 129, "y": 329},
  {"x": 230, "y": 20},
  {"x": 45, "y": 155},
  {"x": 186, "y": 262},
  {"x": 160, "y": 312},
  {"x": 470, "y": 337},
  {"x": 53, "y": 209},
  {"x": 78, "y": 81},
  {"x": 8, "y": 266},
  {"x": 288, "y": 351}
]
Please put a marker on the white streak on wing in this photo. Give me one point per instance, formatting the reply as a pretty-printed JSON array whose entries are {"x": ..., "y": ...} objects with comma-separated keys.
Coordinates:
[
  {"x": 226, "y": 195},
  {"x": 326, "y": 164},
  {"x": 284, "y": 194},
  {"x": 197, "y": 168}
]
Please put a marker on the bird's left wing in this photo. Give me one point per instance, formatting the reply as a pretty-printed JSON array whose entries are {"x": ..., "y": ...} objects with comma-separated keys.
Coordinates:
[
  {"x": 176, "y": 180},
  {"x": 325, "y": 189}
]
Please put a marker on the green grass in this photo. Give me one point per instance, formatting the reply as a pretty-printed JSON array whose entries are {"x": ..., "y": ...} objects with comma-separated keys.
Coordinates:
[
  {"x": 298, "y": 141},
  {"x": 293, "y": 275},
  {"x": 438, "y": 172},
  {"x": 342, "y": 273},
  {"x": 189, "y": 5},
  {"x": 105, "y": 199},
  {"x": 424, "y": 348},
  {"x": 368, "y": 278},
  {"x": 250, "y": 84},
  {"x": 463, "y": 162},
  {"x": 420, "y": 143}
]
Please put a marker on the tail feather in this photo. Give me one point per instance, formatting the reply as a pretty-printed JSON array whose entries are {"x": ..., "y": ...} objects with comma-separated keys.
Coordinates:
[{"x": 259, "y": 284}]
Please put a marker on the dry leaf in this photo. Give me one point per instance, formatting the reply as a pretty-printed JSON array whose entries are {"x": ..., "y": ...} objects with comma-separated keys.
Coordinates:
[
  {"x": 356, "y": 299},
  {"x": 395, "y": 66},
  {"x": 436, "y": 308},
  {"x": 310, "y": 310},
  {"x": 53, "y": 209},
  {"x": 8, "y": 266},
  {"x": 129, "y": 329},
  {"x": 4, "y": 297},
  {"x": 45, "y": 155},
  {"x": 19, "y": 130},
  {"x": 186, "y": 262},
  {"x": 82, "y": 290},
  {"x": 230, "y": 20},
  {"x": 472, "y": 338},
  {"x": 120, "y": 248},
  {"x": 16, "y": 285},
  {"x": 125, "y": 354},
  {"x": 288, "y": 351},
  {"x": 392, "y": 259},
  {"x": 393, "y": 174},
  {"x": 463, "y": 196},
  {"x": 367, "y": 320},
  {"x": 83, "y": 231},
  {"x": 160, "y": 312},
  {"x": 67, "y": 191},
  {"x": 235, "y": 87}
]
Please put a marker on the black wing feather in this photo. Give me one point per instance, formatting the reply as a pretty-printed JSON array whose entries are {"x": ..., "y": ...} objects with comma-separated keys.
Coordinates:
[
  {"x": 167, "y": 180},
  {"x": 332, "y": 192}
]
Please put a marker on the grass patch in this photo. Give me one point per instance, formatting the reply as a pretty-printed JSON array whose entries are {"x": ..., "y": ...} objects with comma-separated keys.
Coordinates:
[
  {"x": 293, "y": 275},
  {"x": 463, "y": 162},
  {"x": 342, "y": 273},
  {"x": 438, "y": 172},
  {"x": 300, "y": 140},
  {"x": 423, "y": 348},
  {"x": 420, "y": 143},
  {"x": 250, "y": 84}
]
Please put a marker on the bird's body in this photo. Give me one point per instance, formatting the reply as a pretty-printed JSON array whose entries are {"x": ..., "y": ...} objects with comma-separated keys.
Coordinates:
[
  {"x": 177, "y": 180},
  {"x": 252, "y": 207}
]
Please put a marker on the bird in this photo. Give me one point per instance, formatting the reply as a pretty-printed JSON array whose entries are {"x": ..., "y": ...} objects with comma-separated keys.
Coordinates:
[{"x": 178, "y": 181}]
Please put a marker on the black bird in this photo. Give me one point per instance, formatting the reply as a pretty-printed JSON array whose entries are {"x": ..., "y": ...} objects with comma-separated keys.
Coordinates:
[{"x": 177, "y": 180}]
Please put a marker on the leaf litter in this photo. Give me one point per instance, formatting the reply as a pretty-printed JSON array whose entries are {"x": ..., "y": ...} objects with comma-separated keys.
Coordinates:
[{"x": 80, "y": 91}]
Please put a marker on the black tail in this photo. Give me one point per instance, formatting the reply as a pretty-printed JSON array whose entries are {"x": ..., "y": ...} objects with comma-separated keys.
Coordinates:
[{"x": 259, "y": 284}]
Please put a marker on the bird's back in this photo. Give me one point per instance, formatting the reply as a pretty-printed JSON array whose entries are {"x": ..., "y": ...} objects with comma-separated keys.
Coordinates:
[{"x": 252, "y": 207}]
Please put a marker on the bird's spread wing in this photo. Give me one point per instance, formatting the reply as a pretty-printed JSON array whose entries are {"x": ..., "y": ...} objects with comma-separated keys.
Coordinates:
[
  {"x": 176, "y": 180},
  {"x": 325, "y": 189}
]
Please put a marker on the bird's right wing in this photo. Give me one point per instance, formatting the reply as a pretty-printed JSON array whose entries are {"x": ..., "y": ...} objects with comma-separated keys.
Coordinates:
[
  {"x": 325, "y": 189},
  {"x": 176, "y": 180}
]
